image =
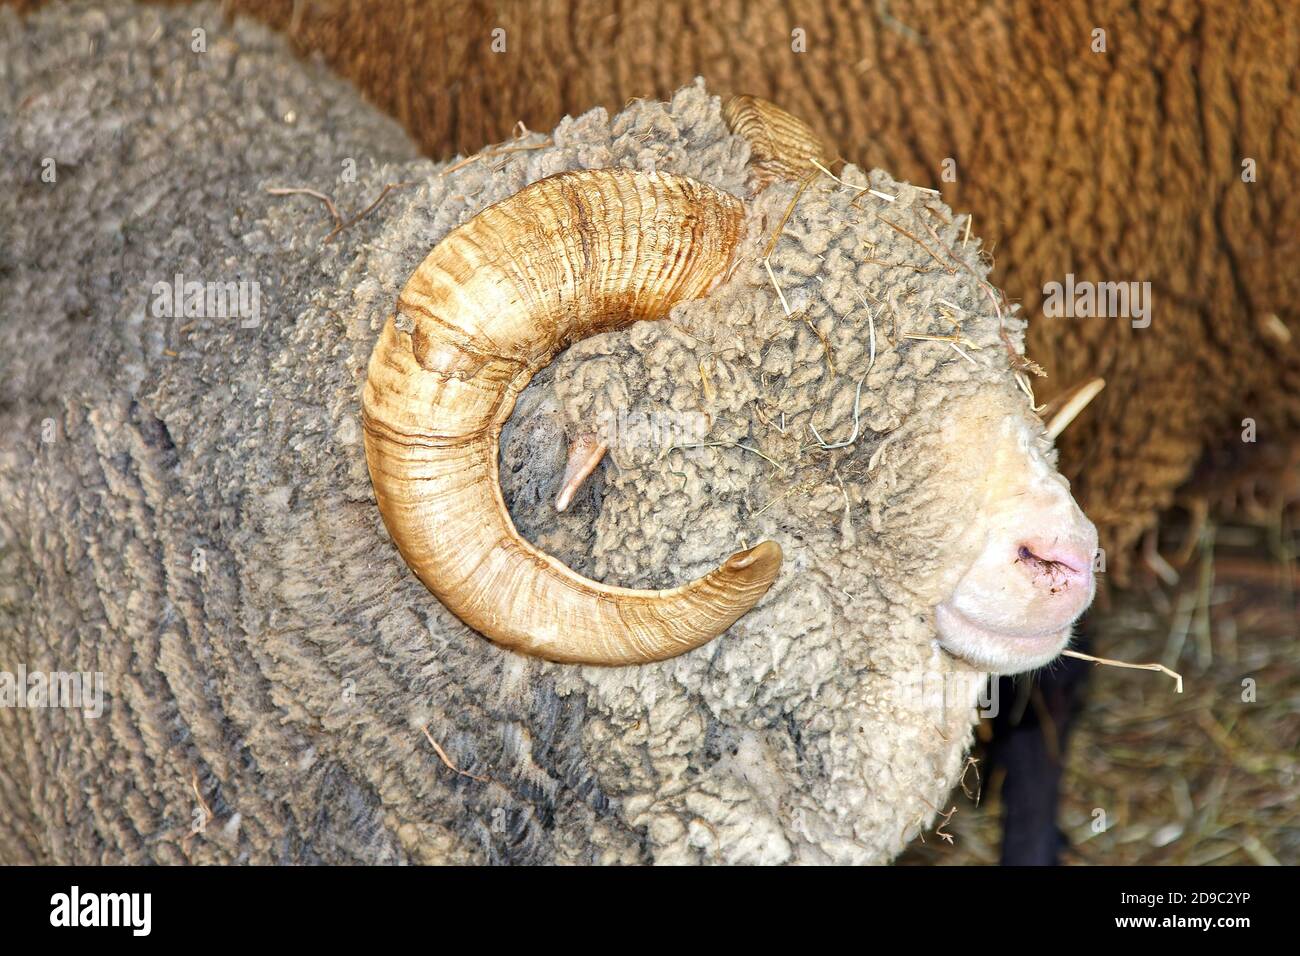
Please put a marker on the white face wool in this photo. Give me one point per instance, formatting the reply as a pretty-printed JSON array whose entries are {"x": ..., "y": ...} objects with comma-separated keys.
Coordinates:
[{"x": 1032, "y": 570}]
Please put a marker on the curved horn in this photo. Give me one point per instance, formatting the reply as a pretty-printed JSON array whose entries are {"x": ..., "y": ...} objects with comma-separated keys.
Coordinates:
[
  {"x": 780, "y": 144},
  {"x": 569, "y": 256},
  {"x": 1064, "y": 408}
]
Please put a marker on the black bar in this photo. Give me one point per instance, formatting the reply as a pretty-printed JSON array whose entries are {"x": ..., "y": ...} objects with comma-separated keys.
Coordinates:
[{"x": 487, "y": 907}]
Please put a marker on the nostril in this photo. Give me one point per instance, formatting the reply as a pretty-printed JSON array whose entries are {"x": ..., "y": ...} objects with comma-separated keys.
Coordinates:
[{"x": 1056, "y": 565}]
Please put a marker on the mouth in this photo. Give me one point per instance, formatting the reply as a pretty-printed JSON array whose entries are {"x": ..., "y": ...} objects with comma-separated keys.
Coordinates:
[{"x": 997, "y": 651}]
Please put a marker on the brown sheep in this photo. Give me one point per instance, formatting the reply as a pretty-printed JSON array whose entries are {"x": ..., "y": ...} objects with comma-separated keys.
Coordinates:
[{"x": 1115, "y": 166}]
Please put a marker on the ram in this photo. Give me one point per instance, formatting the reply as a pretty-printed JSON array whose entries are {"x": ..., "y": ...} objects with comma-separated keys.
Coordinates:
[{"x": 822, "y": 399}]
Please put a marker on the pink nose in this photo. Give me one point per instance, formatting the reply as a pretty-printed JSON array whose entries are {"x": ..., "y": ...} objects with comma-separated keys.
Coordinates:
[{"x": 1055, "y": 564}]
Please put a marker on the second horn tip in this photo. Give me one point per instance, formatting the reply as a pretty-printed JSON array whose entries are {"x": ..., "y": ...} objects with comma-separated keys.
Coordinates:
[{"x": 761, "y": 562}]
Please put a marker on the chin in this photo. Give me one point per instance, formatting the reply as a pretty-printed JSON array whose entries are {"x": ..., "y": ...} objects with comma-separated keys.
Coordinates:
[{"x": 998, "y": 651}]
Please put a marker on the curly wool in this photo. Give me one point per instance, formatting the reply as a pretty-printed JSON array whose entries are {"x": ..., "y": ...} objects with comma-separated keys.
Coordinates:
[{"x": 288, "y": 679}]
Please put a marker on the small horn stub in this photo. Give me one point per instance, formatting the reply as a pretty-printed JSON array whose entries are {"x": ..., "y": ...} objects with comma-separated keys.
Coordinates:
[
  {"x": 496, "y": 299},
  {"x": 1064, "y": 408},
  {"x": 585, "y": 453},
  {"x": 780, "y": 144}
]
